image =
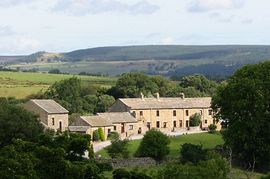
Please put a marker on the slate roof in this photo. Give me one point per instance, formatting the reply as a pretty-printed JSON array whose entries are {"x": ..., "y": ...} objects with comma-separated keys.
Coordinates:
[
  {"x": 167, "y": 103},
  {"x": 50, "y": 106},
  {"x": 96, "y": 121},
  {"x": 119, "y": 117}
]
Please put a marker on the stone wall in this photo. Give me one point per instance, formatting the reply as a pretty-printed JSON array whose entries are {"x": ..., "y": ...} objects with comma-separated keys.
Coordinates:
[{"x": 132, "y": 162}]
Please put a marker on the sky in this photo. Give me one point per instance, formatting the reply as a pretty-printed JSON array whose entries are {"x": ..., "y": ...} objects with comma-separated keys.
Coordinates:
[{"x": 28, "y": 26}]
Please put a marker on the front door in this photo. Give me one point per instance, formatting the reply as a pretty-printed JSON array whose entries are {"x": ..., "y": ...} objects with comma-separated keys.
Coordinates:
[
  {"x": 122, "y": 127},
  {"x": 60, "y": 126},
  {"x": 187, "y": 123},
  {"x": 148, "y": 125}
]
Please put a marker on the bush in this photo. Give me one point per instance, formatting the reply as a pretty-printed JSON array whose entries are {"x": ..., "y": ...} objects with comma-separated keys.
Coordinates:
[
  {"x": 214, "y": 168},
  {"x": 118, "y": 149},
  {"x": 125, "y": 174},
  {"x": 113, "y": 136},
  {"x": 212, "y": 128},
  {"x": 91, "y": 153},
  {"x": 101, "y": 134},
  {"x": 192, "y": 153},
  {"x": 96, "y": 136},
  {"x": 121, "y": 174},
  {"x": 195, "y": 120},
  {"x": 154, "y": 144}
]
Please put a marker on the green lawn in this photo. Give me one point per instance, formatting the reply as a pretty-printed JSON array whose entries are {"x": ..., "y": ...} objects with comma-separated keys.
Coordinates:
[
  {"x": 20, "y": 84},
  {"x": 205, "y": 139}
]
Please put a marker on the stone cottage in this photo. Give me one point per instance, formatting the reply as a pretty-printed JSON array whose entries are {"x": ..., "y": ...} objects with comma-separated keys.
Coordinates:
[
  {"x": 166, "y": 114},
  {"x": 121, "y": 122},
  {"x": 51, "y": 114}
]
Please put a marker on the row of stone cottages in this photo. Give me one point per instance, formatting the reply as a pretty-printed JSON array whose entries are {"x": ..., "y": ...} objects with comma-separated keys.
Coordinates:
[{"x": 128, "y": 116}]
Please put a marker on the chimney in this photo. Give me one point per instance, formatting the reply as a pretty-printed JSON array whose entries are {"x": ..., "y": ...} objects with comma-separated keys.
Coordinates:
[
  {"x": 142, "y": 96},
  {"x": 182, "y": 95},
  {"x": 157, "y": 96}
]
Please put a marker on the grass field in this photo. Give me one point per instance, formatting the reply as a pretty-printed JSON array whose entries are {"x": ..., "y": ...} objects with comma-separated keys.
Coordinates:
[
  {"x": 206, "y": 140},
  {"x": 20, "y": 84}
]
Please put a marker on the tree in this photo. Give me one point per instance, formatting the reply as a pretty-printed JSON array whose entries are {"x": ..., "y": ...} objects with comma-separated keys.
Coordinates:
[
  {"x": 118, "y": 149},
  {"x": 212, "y": 128},
  {"x": 101, "y": 134},
  {"x": 244, "y": 102},
  {"x": 195, "y": 120},
  {"x": 154, "y": 144},
  {"x": 104, "y": 102},
  {"x": 96, "y": 136},
  {"x": 17, "y": 123},
  {"x": 192, "y": 153}
]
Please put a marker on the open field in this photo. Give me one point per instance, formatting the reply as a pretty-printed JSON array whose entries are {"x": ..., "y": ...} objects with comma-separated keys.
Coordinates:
[
  {"x": 206, "y": 140},
  {"x": 20, "y": 84}
]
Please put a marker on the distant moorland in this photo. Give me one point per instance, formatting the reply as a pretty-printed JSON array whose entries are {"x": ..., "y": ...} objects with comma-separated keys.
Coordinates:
[{"x": 168, "y": 60}]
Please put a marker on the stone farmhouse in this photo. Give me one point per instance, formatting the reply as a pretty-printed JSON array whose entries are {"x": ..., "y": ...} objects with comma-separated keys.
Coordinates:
[
  {"x": 51, "y": 114},
  {"x": 128, "y": 116},
  {"x": 121, "y": 122},
  {"x": 166, "y": 114}
]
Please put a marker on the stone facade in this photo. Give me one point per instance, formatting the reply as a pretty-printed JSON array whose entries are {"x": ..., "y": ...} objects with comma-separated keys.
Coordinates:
[
  {"x": 165, "y": 117},
  {"x": 55, "y": 119}
]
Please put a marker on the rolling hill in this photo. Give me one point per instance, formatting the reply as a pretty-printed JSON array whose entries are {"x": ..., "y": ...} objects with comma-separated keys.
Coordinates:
[{"x": 152, "y": 59}]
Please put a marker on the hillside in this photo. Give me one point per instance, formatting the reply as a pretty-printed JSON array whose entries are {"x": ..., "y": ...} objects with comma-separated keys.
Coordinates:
[
  {"x": 20, "y": 85},
  {"x": 167, "y": 60}
]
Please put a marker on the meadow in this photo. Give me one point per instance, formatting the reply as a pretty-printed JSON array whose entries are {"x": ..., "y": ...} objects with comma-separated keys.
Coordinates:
[
  {"x": 208, "y": 141},
  {"x": 22, "y": 84}
]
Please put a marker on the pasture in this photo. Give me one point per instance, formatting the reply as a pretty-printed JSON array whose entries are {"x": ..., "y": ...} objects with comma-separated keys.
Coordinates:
[
  {"x": 206, "y": 140},
  {"x": 22, "y": 84}
]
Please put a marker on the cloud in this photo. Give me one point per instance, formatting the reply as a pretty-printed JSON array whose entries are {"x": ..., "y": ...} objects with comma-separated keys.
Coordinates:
[
  {"x": 167, "y": 40},
  {"x": 209, "y": 5},
  {"x": 247, "y": 21},
  {"x": 19, "y": 45},
  {"x": 6, "y": 31},
  {"x": 9, "y": 3},
  {"x": 222, "y": 18},
  {"x": 84, "y": 7}
]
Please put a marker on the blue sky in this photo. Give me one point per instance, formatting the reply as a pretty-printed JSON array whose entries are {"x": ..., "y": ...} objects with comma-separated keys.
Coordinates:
[{"x": 27, "y": 26}]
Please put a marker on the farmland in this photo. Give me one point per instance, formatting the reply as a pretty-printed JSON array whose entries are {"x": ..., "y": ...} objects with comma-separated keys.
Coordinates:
[{"x": 21, "y": 84}]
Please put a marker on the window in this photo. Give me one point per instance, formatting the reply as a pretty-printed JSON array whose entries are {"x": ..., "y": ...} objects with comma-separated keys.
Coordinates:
[
  {"x": 186, "y": 112},
  {"x": 109, "y": 131},
  {"x": 180, "y": 123},
  {"x": 157, "y": 113},
  {"x": 53, "y": 121},
  {"x": 174, "y": 112},
  {"x": 141, "y": 113},
  {"x": 201, "y": 112},
  {"x": 210, "y": 111},
  {"x": 114, "y": 128},
  {"x": 158, "y": 124},
  {"x": 164, "y": 124},
  {"x": 130, "y": 127},
  {"x": 174, "y": 123},
  {"x": 205, "y": 121},
  {"x": 134, "y": 113}
]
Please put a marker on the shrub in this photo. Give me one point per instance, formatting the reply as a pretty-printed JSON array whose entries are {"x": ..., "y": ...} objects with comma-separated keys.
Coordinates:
[
  {"x": 212, "y": 128},
  {"x": 91, "y": 153},
  {"x": 118, "y": 149},
  {"x": 101, "y": 134},
  {"x": 121, "y": 173},
  {"x": 125, "y": 174},
  {"x": 96, "y": 136},
  {"x": 192, "y": 153},
  {"x": 154, "y": 144},
  {"x": 113, "y": 136},
  {"x": 195, "y": 120}
]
